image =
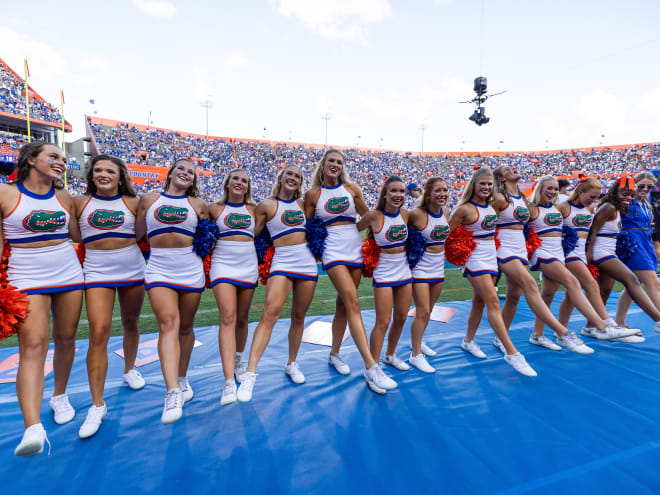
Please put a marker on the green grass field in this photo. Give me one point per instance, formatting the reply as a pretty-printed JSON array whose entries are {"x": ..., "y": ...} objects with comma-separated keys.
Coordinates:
[{"x": 456, "y": 288}]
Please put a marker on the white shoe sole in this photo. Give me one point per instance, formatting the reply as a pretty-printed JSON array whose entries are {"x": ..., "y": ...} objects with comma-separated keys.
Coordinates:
[
  {"x": 375, "y": 388},
  {"x": 132, "y": 387},
  {"x": 29, "y": 449},
  {"x": 226, "y": 400},
  {"x": 537, "y": 344},
  {"x": 172, "y": 418}
]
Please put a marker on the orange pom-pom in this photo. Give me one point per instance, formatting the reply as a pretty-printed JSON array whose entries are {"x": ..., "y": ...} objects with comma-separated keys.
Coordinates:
[
  {"x": 80, "y": 251},
  {"x": 498, "y": 243},
  {"x": 4, "y": 261},
  {"x": 207, "y": 268},
  {"x": 13, "y": 310},
  {"x": 371, "y": 254},
  {"x": 144, "y": 246},
  {"x": 533, "y": 242},
  {"x": 595, "y": 272},
  {"x": 264, "y": 268},
  {"x": 459, "y": 246}
]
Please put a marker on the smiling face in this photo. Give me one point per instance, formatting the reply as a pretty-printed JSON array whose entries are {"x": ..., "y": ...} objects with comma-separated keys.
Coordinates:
[
  {"x": 439, "y": 194},
  {"x": 237, "y": 186},
  {"x": 510, "y": 174},
  {"x": 483, "y": 187},
  {"x": 105, "y": 176},
  {"x": 181, "y": 177},
  {"x": 642, "y": 188},
  {"x": 49, "y": 163},
  {"x": 332, "y": 167},
  {"x": 395, "y": 195},
  {"x": 549, "y": 191},
  {"x": 588, "y": 196},
  {"x": 625, "y": 197},
  {"x": 291, "y": 180}
]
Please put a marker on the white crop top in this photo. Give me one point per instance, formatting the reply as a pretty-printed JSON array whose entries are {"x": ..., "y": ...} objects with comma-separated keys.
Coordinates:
[
  {"x": 335, "y": 204},
  {"x": 484, "y": 225},
  {"x": 394, "y": 231},
  {"x": 235, "y": 219},
  {"x": 611, "y": 228},
  {"x": 436, "y": 230},
  {"x": 549, "y": 220},
  {"x": 106, "y": 217},
  {"x": 36, "y": 217},
  {"x": 288, "y": 218},
  {"x": 580, "y": 218},
  {"x": 171, "y": 214},
  {"x": 516, "y": 213}
]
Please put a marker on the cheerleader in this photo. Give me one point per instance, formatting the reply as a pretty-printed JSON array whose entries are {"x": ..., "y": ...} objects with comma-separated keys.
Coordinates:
[
  {"x": 430, "y": 219},
  {"x": 392, "y": 277},
  {"x": 113, "y": 263},
  {"x": 335, "y": 199},
  {"x": 512, "y": 214},
  {"x": 293, "y": 268},
  {"x": 44, "y": 266},
  {"x": 546, "y": 220},
  {"x": 602, "y": 251},
  {"x": 174, "y": 277},
  {"x": 637, "y": 226},
  {"x": 234, "y": 272},
  {"x": 477, "y": 216}
]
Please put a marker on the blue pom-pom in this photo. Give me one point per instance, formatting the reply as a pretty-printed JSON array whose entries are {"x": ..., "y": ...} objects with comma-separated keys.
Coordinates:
[
  {"x": 415, "y": 247},
  {"x": 316, "y": 232},
  {"x": 625, "y": 245},
  {"x": 569, "y": 239},
  {"x": 526, "y": 231},
  {"x": 261, "y": 243},
  {"x": 206, "y": 235}
]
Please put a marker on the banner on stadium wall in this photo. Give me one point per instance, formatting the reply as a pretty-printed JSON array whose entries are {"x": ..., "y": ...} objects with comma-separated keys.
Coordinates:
[
  {"x": 142, "y": 173},
  {"x": 7, "y": 158},
  {"x": 73, "y": 166}
]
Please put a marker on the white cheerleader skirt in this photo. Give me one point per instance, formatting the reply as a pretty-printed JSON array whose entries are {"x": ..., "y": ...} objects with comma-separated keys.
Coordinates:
[
  {"x": 175, "y": 268},
  {"x": 45, "y": 270},
  {"x": 579, "y": 252},
  {"x": 295, "y": 261},
  {"x": 235, "y": 263},
  {"x": 512, "y": 246},
  {"x": 392, "y": 270},
  {"x": 604, "y": 249},
  {"x": 430, "y": 269},
  {"x": 549, "y": 251},
  {"x": 483, "y": 260},
  {"x": 343, "y": 246},
  {"x": 113, "y": 267}
]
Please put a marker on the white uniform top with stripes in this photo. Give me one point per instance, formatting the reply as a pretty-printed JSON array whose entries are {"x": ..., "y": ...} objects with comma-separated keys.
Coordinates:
[
  {"x": 436, "y": 230},
  {"x": 235, "y": 219},
  {"x": 106, "y": 217},
  {"x": 335, "y": 204},
  {"x": 394, "y": 231},
  {"x": 549, "y": 219},
  {"x": 287, "y": 219},
  {"x": 611, "y": 228},
  {"x": 171, "y": 214},
  {"x": 36, "y": 217},
  {"x": 516, "y": 212},
  {"x": 484, "y": 225},
  {"x": 579, "y": 218}
]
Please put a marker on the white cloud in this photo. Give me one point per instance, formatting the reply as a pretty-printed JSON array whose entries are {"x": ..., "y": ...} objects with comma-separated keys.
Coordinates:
[
  {"x": 44, "y": 62},
  {"x": 603, "y": 110},
  {"x": 336, "y": 19},
  {"x": 155, "y": 8},
  {"x": 238, "y": 59}
]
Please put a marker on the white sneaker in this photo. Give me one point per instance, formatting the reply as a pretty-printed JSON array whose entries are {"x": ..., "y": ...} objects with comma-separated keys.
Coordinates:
[
  {"x": 293, "y": 372},
  {"x": 543, "y": 341},
  {"x": 244, "y": 393},
  {"x": 228, "y": 393},
  {"x": 631, "y": 339},
  {"x": 574, "y": 343},
  {"x": 378, "y": 381},
  {"x": 173, "y": 409},
  {"x": 93, "y": 421},
  {"x": 588, "y": 332},
  {"x": 339, "y": 364},
  {"x": 396, "y": 362},
  {"x": 240, "y": 367},
  {"x": 500, "y": 346},
  {"x": 370, "y": 378},
  {"x": 134, "y": 379},
  {"x": 33, "y": 441},
  {"x": 427, "y": 351},
  {"x": 656, "y": 327},
  {"x": 613, "y": 332},
  {"x": 62, "y": 409},
  {"x": 186, "y": 389},
  {"x": 473, "y": 349},
  {"x": 517, "y": 361},
  {"x": 421, "y": 363}
]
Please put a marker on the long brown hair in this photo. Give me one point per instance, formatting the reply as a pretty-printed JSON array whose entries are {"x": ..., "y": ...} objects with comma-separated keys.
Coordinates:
[
  {"x": 125, "y": 187},
  {"x": 192, "y": 190},
  {"x": 32, "y": 150},
  {"x": 425, "y": 198},
  {"x": 383, "y": 191}
]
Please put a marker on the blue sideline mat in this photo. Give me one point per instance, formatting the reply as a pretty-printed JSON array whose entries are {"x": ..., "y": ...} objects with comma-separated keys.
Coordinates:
[{"x": 586, "y": 424}]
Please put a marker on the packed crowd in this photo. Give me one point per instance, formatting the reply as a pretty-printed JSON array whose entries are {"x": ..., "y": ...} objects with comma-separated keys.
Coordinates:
[{"x": 12, "y": 99}]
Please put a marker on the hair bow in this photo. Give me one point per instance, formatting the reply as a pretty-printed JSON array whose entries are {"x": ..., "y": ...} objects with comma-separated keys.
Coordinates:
[{"x": 626, "y": 183}]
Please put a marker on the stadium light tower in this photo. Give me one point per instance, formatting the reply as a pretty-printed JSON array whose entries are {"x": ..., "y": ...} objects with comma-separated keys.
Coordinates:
[
  {"x": 326, "y": 116},
  {"x": 422, "y": 128},
  {"x": 207, "y": 103}
]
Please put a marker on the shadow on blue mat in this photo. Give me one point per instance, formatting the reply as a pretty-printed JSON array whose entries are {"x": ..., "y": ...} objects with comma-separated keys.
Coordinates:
[{"x": 585, "y": 424}]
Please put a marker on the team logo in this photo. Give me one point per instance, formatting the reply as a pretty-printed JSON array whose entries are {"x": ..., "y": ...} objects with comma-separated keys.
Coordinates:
[
  {"x": 238, "y": 221},
  {"x": 44, "y": 221},
  {"x": 337, "y": 205},
  {"x": 489, "y": 222},
  {"x": 106, "y": 219},
  {"x": 396, "y": 233},
  {"x": 553, "y": 219},
  {"x": 582, "y": 220},
  {"x": 171, "y": 214},
  {"x": 292, "y": 218},
  {"x": 440, "y": 232},
  {"x": 521, "y": 214}
]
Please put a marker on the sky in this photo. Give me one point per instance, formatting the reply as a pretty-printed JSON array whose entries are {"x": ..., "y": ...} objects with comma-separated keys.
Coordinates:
[{"x": 389, "y": 73}]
